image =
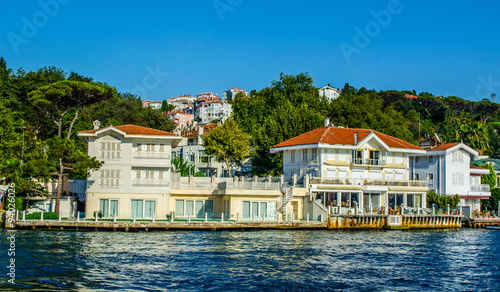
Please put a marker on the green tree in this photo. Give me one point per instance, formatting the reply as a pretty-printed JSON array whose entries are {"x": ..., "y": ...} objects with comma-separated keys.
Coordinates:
[
  {"x": 367, "y": 111},
  {"x": 122, "y": 110},
  {"x": 442, "y": 201},
  {"x": 182, "y": 166},
  {"x": 491, "y": 178},
  {"x": 57, "y": 99},
  {"x": 227, "y": 143},
  {"x": 69, "y": 160},
  {"x": 492, "y": 202},
  {"x": 166, "y": 107}
]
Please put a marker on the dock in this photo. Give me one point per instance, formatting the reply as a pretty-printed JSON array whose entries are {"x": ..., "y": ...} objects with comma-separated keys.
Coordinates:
[{"x": 332, "y": 222}]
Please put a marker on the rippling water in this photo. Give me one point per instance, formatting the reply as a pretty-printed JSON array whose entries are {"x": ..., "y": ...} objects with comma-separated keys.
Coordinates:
[{"x": 464, "y": 260}]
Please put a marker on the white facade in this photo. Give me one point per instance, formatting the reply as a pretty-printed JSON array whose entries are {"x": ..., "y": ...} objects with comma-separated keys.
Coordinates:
[
  {"x": 231, "y": 93},
  {"x": 329, "y": 92},
  {"x": 215, "y": 110},
  {"x": 182, "y": 103},
  {"x": 448, "y": 172},
  {"x": 135, "y": 176},
  {"x": 350, "y": 173}
]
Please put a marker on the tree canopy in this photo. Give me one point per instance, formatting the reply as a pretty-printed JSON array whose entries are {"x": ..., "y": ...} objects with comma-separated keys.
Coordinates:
[{"x": 227, "y": 143}]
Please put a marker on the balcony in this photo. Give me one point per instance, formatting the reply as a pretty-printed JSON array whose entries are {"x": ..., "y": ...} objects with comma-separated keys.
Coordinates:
[
  {"x": 369, "y": 182},
  {"x": 150, "y": 156},
  {"x": 379, "y": 162},
  {"x": 480, "y": 188}
]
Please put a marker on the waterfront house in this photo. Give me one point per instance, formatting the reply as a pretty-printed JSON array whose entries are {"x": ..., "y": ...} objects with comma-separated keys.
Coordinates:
[
  {"x": 495, "y": 162},
  {"x": 354, "y": 170},
  {"x": 447, "y": 169},
  {"x": 135, "y": 177}
]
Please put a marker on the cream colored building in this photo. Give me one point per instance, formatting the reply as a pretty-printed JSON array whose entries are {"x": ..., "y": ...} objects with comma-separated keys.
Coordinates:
[{"x": 135, "y": 177}]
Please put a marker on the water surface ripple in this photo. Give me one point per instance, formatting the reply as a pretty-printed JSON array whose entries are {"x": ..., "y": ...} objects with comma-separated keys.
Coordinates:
[{"x": 464, "y": 260}]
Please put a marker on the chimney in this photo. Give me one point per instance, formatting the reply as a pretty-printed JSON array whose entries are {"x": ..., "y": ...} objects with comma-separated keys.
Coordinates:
[
  {"x": 355, "y": 138},
  {"x": 97, "y": 124},
  {"x": 327, "y": 122},
  {"x": 200, "y": 130}
]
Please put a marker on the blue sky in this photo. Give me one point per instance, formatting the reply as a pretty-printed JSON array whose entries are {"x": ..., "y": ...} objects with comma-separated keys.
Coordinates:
[{"x": 161, "y": 49}]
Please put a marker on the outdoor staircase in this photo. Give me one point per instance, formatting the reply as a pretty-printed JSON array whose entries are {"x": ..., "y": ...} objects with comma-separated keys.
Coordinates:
[{"x": 286, "y": 209}]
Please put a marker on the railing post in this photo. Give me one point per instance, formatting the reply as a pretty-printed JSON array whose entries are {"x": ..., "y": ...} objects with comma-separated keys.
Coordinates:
[
  {"x": 329, "y": 210},
  {"x": 448, "y": 209},
  {"x": 293, "y": 218},
  {"x": 17, "y": 215},
  {"x": 418, "y": 209},
  {"x": 237, "y": 217},
  {"x": 172, "y": 217},
  {"x": 263, "y": 217},
  {"x": 132, "y": 220},
  {"x": 41, "y": 215},
  {"x": 433, "y": 209},
  {"x": 222, "y": 218},
  {"x": 60, "y": 215},
  {"x": 189, "y": 217},
  {"x": 307, "y": 218},
  {"x": 322, "y": 217},
  {"x": 371, "y": 209},
  {"x": 77, "y": 216},
  {"x": 253, "y": 217},
  {"x": 114, "y": 216},
  {"x": 206, "y": 216},
  {"x": 154, "y": 215},
  {"x": 24, "y": 215},
  {"x": 356, "y": 208}
]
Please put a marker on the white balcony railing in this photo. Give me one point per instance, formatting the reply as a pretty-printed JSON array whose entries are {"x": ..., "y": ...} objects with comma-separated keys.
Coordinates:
[
  {"x": 369, "y": 181},
  {"x": 358, "y": 161},
  {"x": 480, "y": 188}
]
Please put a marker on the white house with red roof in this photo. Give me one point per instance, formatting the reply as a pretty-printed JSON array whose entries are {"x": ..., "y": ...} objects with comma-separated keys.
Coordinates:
[
  {"x": 351, "y": 168},
  {"x": 135, "y": 177},
  {"x": 448, "y": 170}
]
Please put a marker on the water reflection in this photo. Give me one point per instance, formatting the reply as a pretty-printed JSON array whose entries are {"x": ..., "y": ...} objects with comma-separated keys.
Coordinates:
[{"x": 258, "y": 260}]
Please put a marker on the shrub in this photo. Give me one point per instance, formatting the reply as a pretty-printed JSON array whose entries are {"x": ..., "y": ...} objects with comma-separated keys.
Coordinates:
[{"x": 37, "y": 216}]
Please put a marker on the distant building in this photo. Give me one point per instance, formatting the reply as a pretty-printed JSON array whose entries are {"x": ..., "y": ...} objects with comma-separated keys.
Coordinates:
[
  {"x": 152, "y": 104},
  {"x": 495, "y": 162},
  {"x": 180, "y": 118},
  {"x": 214, "y": 110},
  {"x": 183, "y": 103},
  {"x": 329, "y": 92},
  {"x": 231, "y": 93},
  {"x": 411, "y": 96}
]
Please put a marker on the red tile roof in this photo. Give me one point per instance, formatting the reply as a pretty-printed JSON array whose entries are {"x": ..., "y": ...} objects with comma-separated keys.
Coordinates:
[
  {"x": 444, "y": 146},
  {"x": 477, "y": 167},
  {"x": 343, "y": 136},
  {"x": 134, "y": 130},
  {"x": 193, "y": 133}
]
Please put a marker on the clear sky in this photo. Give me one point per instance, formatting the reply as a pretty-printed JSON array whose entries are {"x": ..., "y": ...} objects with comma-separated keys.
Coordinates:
[{"x": 160, "y": 49}]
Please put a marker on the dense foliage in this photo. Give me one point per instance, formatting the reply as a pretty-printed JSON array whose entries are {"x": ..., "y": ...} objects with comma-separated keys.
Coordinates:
[
  {"x": 442, "y": 201},
  {"x": 292, "y": 106},
  {"x": 41, "y": 112}
]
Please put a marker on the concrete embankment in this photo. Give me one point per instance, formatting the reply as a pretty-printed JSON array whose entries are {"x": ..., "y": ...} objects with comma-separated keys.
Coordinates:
[{"x": 333, "y": 222}]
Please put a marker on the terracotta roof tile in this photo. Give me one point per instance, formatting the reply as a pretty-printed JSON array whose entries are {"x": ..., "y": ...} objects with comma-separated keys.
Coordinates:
[
  {"x": 444, "y": 146},
  {"x": 477, "y": 167},
  {"x": 135, "y": 130},
  {"x": 343, "y": 136}
]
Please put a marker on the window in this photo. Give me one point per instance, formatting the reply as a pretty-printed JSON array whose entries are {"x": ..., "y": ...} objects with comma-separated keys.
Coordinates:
[
  {"x": 430, "y": 159},
  {"x": 395, "y": 200},
  {"x": 109, "y": 178},
  {"x": 349, "y": 199},
  {"x": 194, "y": 208},
  {"x": 109, "y": 208},
  {"x": 357, "y": 156},
  {"x": 292, "y": 156},
  {"x": 417, "y": 159},
  {"x": 110, "y": 150},
  {"x": 259, "y": 210},
  {"x": 314, "y": 152},
  {"x": 374, "y": 157},
  {"x": 292, "y": 172},
  {"x": 430, "y": 179},
  {"x": 457, "y": 179},
  {"x": 304, "y": 155},
  {"x": 417, "y": 176}
]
